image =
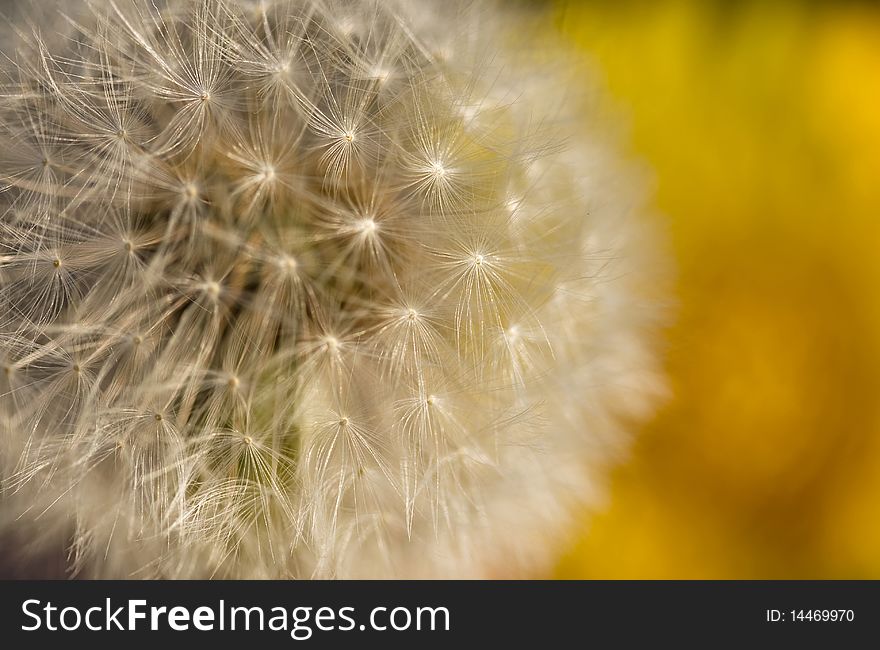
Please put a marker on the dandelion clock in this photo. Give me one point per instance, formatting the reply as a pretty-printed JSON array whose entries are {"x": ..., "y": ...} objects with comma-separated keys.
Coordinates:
[{"x": 308, "y": 288}]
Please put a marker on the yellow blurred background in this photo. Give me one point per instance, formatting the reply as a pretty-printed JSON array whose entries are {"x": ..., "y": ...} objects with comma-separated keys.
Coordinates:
[{"x": 761, "y": 122}]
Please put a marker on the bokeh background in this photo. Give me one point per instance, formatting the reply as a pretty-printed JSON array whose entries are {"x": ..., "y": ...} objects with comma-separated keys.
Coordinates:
[{"x": 761, "y": 123}]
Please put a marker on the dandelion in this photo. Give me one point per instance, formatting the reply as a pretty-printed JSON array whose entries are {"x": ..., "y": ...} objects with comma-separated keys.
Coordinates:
[{"x": 308, "y": 288}]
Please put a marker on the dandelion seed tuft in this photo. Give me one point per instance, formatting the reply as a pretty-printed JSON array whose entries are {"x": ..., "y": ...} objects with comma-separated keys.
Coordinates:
[{"x": 310, "y": 288}]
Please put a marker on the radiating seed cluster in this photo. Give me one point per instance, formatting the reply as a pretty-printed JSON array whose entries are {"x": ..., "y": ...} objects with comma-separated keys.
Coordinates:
[{"x": 300, "y": 288}]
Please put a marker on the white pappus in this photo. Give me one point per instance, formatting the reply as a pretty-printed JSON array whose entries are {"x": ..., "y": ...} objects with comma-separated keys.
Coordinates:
[{"x": 310, "y": 288}]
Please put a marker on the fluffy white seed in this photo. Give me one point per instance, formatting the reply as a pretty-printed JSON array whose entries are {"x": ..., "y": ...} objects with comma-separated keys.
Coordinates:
[{"x": 299, "y": 288}]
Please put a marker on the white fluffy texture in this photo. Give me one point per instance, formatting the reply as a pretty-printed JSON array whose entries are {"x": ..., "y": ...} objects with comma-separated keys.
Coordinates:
[{"x": 306, "y": 288}]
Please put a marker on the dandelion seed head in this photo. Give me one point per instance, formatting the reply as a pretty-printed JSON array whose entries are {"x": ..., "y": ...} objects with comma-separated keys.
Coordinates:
[{"x": 309, "y": 288}]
